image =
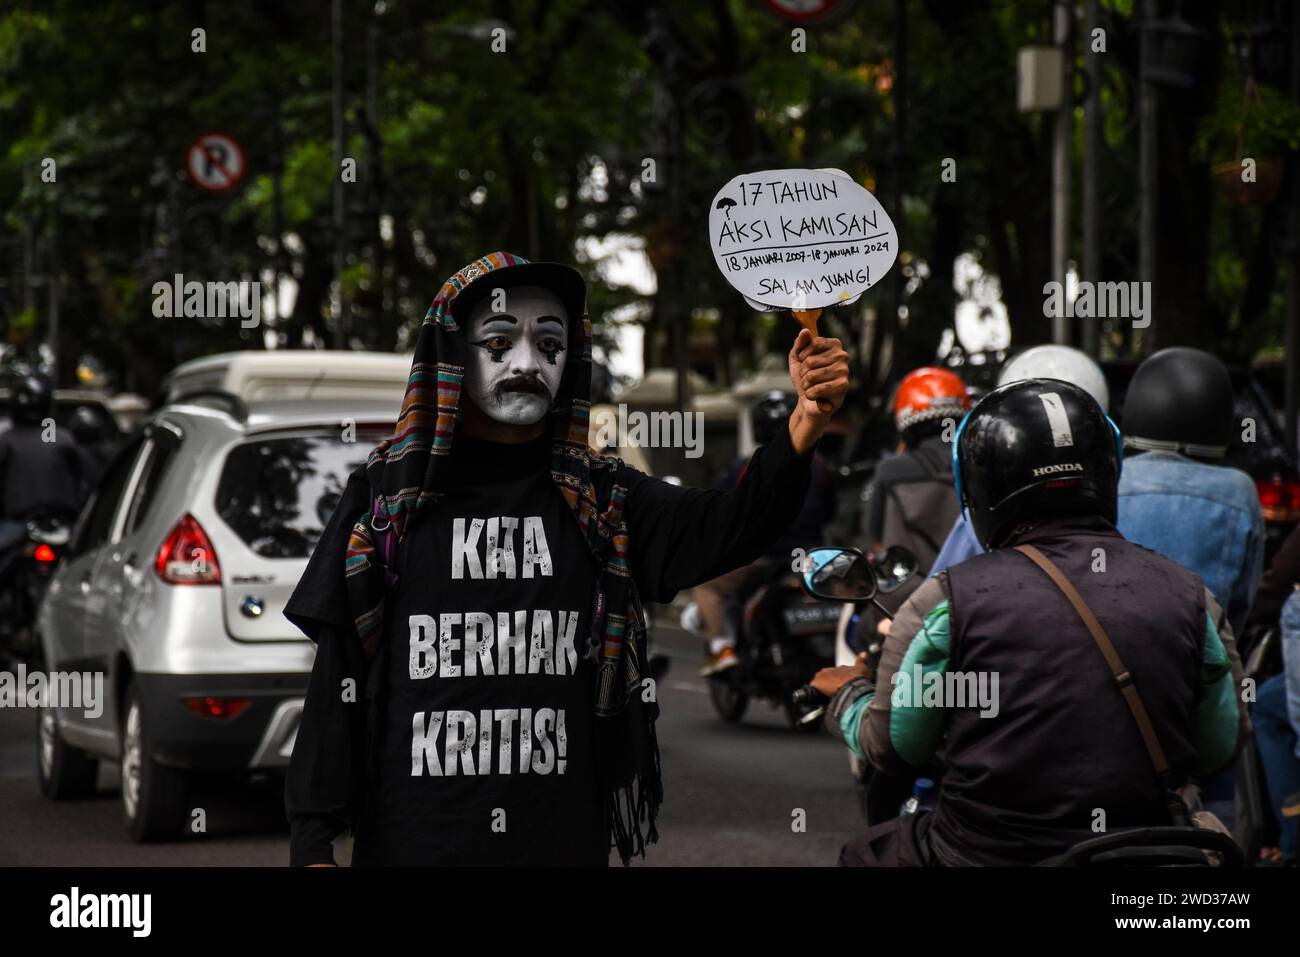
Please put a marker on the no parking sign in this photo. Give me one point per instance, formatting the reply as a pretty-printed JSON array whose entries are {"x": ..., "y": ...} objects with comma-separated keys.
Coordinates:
[{"x": 215, "y": 162}]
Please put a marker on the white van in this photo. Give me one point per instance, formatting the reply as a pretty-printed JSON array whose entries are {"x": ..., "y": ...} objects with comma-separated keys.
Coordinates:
[{"x": 257, "y": 376}]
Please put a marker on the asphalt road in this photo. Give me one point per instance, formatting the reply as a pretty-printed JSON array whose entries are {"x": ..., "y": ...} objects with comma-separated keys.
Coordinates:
[{"x": 733, "y": 795}]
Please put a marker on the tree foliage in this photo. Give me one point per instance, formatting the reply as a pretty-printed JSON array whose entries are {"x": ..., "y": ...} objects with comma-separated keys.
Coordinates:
[{"x": 545, "y": 146}]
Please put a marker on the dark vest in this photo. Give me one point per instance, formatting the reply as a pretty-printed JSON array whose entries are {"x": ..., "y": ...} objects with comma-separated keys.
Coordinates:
[{"x": 1064, "y": 748}]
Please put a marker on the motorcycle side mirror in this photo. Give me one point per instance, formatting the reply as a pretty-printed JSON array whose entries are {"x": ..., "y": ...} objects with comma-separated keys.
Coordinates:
[
  {"x": 894, "y": 568},
  {"x": 839, "y": 574}
]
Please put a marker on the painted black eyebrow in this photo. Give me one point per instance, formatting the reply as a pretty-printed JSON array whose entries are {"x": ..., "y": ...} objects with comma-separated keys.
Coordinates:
[{"x": 514, "y": 322}]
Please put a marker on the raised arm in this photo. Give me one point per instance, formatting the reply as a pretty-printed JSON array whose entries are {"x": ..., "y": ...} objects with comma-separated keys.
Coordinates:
[{"x": 681, "y": 537}]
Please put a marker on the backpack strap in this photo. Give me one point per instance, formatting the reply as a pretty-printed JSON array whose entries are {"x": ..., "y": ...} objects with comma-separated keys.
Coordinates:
[
  {"x": 1122, "y": 676},
  {"x": 937, "y": 471}
]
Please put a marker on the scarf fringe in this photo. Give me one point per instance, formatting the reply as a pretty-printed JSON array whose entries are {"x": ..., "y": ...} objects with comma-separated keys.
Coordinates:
[{"x": 634, "y": 808}]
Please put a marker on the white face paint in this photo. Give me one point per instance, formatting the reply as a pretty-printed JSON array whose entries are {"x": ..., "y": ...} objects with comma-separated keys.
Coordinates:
[{"x": 516, "y": 355}]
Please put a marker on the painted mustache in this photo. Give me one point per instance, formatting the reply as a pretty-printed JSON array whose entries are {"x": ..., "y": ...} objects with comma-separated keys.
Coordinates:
[{"x": 522, "y": 383}]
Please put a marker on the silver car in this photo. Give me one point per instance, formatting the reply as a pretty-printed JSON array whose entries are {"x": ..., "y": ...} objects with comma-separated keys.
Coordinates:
[{"x": 173, "y": 588}]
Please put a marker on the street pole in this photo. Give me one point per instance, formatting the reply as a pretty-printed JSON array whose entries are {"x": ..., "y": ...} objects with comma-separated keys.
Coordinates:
[
  {"x": 1091, "y": 341},
  {"x": 375, "y": 206},
  {"x": 175, "y": 229},
  {"x": 899, "y": 286},
  {"x": 277, "y": 211},
  {"x": 1291, "y": 356},
  {"x": 883, "y": 323},
  {"x": 340, "y": 323},
  {"x": 1063, "y": 34},
  {"x": 52, "y": 289},
  {"x": 1147, "y": 172},
  {"x": 678, "y": 312},
  {"x": 29, "y": 265}
]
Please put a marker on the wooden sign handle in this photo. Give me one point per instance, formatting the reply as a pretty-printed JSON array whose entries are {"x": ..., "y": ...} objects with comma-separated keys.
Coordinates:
[{"x": 808, "y": 319}]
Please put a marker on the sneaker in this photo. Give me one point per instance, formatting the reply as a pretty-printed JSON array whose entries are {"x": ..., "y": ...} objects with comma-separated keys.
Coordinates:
[
  {"x": 724, "y": 659},
  {"x": 1291, "y": 806}
]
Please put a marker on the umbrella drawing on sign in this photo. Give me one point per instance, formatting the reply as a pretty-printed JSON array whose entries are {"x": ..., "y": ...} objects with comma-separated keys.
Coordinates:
[{"x": 725, "y": 204}]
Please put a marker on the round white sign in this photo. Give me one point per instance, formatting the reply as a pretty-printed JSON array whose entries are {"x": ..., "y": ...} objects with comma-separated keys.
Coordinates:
[{"x": 800, "y": 238}]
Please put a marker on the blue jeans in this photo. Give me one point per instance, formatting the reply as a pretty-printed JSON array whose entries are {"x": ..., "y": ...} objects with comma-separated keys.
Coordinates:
[
  {"x": 1276, "y": 741},
  {"x": 1277, "y": 725},
  {"x": 1291, "y": 661}
]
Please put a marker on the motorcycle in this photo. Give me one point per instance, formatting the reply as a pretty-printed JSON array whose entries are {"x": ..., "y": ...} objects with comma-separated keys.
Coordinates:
[
  {"x": 25, "y": 570},
  {"x": 847, "y": 575},
  {"x": 782, "y": 635}
]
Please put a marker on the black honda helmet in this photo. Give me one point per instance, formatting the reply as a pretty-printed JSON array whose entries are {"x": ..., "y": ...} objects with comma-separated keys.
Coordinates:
[
  {"x": 1036, "y": 448},
  {"x": 30, "y": 399},
  {"x": 769, "y": 413},
  {"x": 1180, "y": 400}
]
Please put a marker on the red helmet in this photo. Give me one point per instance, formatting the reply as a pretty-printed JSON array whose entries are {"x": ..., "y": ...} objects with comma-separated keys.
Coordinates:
[{"x": 927, "y": 394}]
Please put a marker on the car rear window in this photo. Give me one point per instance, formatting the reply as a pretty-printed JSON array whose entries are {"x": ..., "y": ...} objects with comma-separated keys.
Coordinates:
[{"x": 278, "y": 493}]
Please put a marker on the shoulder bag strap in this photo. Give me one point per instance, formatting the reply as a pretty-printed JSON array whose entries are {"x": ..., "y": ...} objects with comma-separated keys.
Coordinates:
[{"x": 1122, "y": 676}]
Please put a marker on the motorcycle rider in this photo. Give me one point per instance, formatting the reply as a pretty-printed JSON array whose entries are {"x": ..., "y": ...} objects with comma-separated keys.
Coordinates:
[
  {"x": 1276, "y": 715},
  {"x": 1176, "y": 497},
  {"x": 1039, "y": 362},
  {"x": 40, "y": 465},
  {"x": 1030, "y": 771},
  {"x": 767, "y": 416},
  {"x": 96, "y": 448},
  {"x": 910, "y": 501}
]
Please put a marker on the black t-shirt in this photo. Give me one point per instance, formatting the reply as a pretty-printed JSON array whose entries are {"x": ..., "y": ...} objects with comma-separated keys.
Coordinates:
[
  {"x": 487, "y": 741},
  {"x": 677, "y": 538}
]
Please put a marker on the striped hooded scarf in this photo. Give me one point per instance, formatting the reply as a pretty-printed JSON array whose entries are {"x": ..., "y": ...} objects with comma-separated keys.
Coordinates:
[{"x": 405, "y": 472}]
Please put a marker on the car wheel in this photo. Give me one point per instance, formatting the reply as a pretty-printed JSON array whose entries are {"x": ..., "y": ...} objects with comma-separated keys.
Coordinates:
[
  {"x": 65, "y": 772},
  {"x": 153, "y": 795}
]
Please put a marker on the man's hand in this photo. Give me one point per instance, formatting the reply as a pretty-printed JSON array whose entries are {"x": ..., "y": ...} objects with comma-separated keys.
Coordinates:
[
  {"x": 819, "y": 369},
  {"x": 830, "y": 680}
]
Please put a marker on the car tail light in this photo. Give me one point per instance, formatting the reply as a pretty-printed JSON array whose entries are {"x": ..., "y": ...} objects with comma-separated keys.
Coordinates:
[
  {"x": 187, "y": 556},
  {"x": 1279, "y": 498},
  {"x": 218, "y": 707},
  {"x": 44, "y": 553}
]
